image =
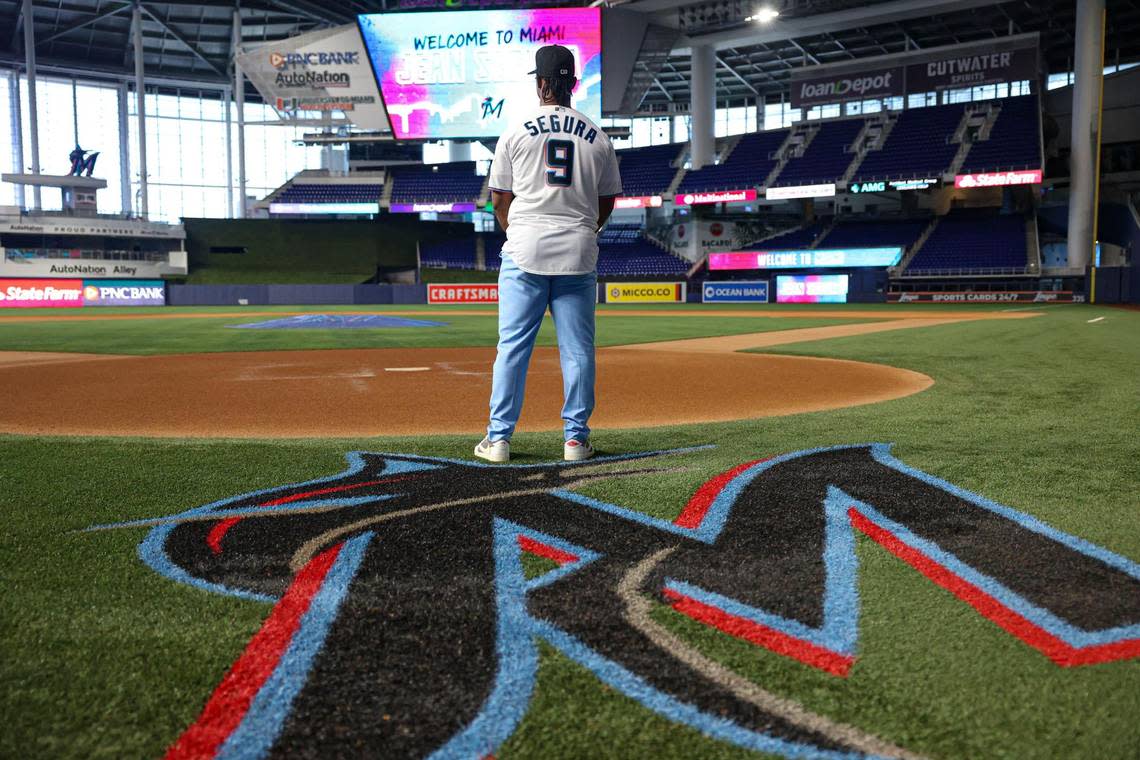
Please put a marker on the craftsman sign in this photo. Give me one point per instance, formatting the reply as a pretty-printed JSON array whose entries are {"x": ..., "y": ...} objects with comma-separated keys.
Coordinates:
[{"x": 473, "y": 293}]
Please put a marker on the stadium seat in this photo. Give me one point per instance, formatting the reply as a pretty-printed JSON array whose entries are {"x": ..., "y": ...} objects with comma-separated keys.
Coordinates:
[
  {"x": 826, "y": 158},
  {"x": 437, "y": 183}
]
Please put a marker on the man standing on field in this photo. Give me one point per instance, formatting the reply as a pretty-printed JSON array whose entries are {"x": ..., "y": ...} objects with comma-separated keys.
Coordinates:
[{"x": 553, "y": 184}]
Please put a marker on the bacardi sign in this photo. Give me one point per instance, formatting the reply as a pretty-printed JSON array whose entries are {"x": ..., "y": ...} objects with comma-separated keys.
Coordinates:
[{"x": 998, "y": 179}]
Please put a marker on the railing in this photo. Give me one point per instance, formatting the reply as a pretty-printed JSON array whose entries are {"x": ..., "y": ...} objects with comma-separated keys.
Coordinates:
[
  {"x": 18, "y": 254},
  {"x": 80, "y": 214},
  {"x": 969, "y": 272}
]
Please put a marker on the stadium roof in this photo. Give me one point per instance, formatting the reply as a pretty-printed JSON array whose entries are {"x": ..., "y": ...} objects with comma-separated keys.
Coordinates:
[{"x": 188, "y": 41}]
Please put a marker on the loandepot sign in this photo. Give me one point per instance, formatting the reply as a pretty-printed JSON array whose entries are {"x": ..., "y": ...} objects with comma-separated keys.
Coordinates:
[{"x": 1007, "y": 59}]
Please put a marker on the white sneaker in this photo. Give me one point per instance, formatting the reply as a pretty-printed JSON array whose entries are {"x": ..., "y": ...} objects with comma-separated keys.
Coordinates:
[
  {"x": 575, "y": 450},
  {"x": 494, "y": 451}
]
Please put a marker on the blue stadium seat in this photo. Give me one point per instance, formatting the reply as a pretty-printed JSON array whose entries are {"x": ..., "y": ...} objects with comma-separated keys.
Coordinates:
[
  {"x": 964, "y": 241},
  {"x": 747, "y": 166},
  {"x": 437, "y": 183},
  {"x": 330, "y": 193},
  {"x": 826, "y": 158}
]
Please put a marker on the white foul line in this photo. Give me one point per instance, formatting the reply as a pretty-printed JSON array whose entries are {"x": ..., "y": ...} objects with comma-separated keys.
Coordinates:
[
  {"x": 406, "y": 369},
  {"x": 1098, "y": 319}
]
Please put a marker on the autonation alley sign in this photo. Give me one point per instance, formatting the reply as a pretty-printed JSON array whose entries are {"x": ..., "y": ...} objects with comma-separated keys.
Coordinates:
[{"x": 1007, "y": 59}]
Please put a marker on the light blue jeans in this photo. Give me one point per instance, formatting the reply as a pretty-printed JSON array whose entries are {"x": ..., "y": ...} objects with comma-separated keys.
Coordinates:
[{"x": 523, "y": 300}]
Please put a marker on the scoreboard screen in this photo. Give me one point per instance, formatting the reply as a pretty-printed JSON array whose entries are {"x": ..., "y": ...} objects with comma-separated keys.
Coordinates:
[
  {"x": 811, "y": 288},
  {"x": 458, "y": 74}
]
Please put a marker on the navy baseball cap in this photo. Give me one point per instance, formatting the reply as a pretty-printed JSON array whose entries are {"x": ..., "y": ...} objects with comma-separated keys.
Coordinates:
[{"x": 553, "y": 61}]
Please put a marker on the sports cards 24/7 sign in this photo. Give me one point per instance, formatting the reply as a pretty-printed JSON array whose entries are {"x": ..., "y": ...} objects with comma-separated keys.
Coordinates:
[
  {"x": 644, "y": 292},
  {"x": 735, "y": 292}
]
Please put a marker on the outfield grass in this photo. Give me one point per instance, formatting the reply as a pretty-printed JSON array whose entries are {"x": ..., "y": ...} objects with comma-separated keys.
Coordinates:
[
  {"x": 171, "y": 336},
  {"x": 104, "y": 658}
]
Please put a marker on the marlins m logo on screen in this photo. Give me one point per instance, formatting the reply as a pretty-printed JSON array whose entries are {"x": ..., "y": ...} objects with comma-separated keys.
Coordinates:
[{"x": 405, "y": 622}]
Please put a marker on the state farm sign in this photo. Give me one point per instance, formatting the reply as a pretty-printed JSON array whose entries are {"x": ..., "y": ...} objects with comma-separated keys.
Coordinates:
[{"x": 998, "y": 179}]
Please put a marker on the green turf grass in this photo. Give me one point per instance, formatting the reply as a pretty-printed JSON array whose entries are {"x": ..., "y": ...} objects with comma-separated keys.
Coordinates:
[
  {"x": 104, "y": 658},
  {"x": 167, "y": 336}
]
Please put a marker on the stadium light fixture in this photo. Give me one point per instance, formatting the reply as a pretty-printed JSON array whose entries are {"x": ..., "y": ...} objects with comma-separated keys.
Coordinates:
[{"x": 764, "y": 15}]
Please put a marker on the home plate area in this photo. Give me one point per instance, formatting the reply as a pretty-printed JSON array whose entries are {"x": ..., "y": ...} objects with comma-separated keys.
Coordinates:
[{"x": 409, "y": 595}]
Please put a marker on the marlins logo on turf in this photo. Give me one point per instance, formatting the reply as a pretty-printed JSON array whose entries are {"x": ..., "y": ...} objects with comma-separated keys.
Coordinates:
[{"x": 404, "y": 624}]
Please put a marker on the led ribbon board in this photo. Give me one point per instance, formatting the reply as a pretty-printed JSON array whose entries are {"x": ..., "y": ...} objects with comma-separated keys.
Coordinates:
[
  {"x": 811, "y": 288},
  {"x": 464, "y": 73},
  {"x": 829, "y": 258}
]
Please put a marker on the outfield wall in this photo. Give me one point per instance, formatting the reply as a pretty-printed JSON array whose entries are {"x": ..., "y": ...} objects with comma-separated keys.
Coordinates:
[
  {"x": 333, "y": 251},
  {"x": 293, "y": 295}
]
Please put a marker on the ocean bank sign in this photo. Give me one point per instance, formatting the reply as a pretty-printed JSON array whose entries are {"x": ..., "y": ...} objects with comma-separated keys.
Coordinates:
[{"x": 754, "y": 291}]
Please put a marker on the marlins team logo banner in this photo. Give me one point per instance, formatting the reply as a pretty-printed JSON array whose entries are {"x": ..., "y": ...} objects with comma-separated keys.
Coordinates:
[{"x": 402, "y": 621}]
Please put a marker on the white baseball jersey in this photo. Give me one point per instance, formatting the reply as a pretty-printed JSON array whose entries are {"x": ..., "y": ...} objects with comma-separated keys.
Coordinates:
[{"x": 557, "y": 163}]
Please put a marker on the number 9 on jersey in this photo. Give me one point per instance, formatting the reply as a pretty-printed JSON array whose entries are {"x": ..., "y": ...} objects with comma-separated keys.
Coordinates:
[{"x": 559, "y": 163}]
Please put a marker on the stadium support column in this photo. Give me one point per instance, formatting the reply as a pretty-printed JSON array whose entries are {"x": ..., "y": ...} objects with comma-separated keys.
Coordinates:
[
  {"x": 228, "y": 98},
  {"x": 702, "y": 85},
  {"x": 17, "y": 126},
  {"x": 33, "y": 118},
  {"x": 458, "y": 151},
  {"x": 239, "y": 97},
  {"x": 140, "y": 105},
  {"x": 1084, "y": 161},
  {"x": 124, "y": 148}
]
